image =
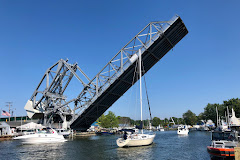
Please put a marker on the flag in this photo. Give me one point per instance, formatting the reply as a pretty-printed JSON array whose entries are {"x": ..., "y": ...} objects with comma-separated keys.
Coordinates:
[{"x": 5, "y": 113}]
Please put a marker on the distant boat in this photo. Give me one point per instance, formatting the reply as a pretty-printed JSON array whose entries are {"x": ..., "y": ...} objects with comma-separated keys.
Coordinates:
[
  {"x": 134, "y": 140},
  {"x": 160, "y": 128},
  {"x": 182, "y": 130},
  {"x": 44, "y": 136},
  {"x": 130, "y": 131},
  {"x": 104, "y": 132}
]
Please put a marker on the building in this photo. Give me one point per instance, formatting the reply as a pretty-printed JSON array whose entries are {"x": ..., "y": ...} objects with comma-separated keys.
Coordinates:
[{"x": 5, "y": 129}]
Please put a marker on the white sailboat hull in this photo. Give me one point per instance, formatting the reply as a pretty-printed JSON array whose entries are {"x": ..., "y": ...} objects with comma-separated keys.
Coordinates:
[{"x": 136, "y": 140}]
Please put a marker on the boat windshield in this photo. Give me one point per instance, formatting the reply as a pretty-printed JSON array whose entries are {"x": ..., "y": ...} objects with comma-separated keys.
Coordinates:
[
  {"x": 228, "y": 136},
  {"x": 45, "y": 131}
]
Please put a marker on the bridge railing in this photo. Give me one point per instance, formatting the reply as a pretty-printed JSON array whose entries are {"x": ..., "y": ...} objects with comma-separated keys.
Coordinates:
[{"x": 120, "y": 62}]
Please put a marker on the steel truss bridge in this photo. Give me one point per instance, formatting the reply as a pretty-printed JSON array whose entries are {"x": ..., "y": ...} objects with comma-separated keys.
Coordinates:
[{"x": 49, "y": 103}]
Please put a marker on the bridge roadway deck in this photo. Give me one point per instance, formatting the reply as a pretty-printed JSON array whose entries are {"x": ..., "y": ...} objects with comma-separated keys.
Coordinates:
[{"x": 150, "y": 57}]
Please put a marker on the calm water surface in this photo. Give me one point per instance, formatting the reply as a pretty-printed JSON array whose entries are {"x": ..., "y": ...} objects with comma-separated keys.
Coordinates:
[{"x": 167, "y": 145}]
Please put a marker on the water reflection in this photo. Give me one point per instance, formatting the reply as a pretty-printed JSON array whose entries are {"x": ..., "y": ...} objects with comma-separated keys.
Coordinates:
[
  {"x": 94, "y": 137},
  {"x": 144, "y": 152},
  {"x": 167, "y": 145},
  {"x": 182, "y": 135},
  {"x": 41, "y": 151}
]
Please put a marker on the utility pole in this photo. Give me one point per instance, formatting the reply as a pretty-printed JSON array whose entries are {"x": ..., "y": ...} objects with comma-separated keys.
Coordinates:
[
  {"x": 9, "y": 104},
  {"x": 15, "y": 114}
]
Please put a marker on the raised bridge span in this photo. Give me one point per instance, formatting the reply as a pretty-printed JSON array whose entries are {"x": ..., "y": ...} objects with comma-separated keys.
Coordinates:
[{"x": 98, "y": 94}]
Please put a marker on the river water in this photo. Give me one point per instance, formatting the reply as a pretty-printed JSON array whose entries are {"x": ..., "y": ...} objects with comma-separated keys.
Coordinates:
[{"x": 167, "y": 146}]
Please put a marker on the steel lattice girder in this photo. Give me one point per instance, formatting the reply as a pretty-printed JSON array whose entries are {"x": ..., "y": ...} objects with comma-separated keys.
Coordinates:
[
  {"x": 48, "y": 98},
  {"x": 155, "y": 40},
  {"x": 98, "y": 94}
]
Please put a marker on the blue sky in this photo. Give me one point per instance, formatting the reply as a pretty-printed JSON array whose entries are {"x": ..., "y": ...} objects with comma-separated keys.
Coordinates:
[{"x": 202, "y": 68}]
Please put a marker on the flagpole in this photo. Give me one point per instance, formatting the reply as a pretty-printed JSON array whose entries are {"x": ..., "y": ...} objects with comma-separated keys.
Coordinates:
[{"x": 9, "y": 105}]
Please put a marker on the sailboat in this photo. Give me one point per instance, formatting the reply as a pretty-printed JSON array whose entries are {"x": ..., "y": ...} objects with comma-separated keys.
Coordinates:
[{"x": 135, "y": 139}]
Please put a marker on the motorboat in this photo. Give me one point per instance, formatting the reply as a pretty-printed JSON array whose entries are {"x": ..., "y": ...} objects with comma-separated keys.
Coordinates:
[
  {"x": 42, "y": 136},
  {"x": 142, "y": 139},
  {"x": 225, "y": 138},
  {"x": 182, "y": 130},
  {"x": 129, "y": 131},
  {"x": 63, "y": 132},
  {"x": 223, "y": 143},
  {"x": 160, "y": 128},
  {"x": 105, "y": 132}
]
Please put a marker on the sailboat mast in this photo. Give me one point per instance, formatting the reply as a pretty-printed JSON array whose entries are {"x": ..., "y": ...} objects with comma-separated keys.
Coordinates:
[
  {"x": 140, "y": 80},
  {"x": 217, "y": 116},
  {"x": 228, "y": 118}
]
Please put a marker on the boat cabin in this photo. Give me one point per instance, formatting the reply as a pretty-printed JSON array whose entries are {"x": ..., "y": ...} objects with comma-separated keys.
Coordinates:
[{"x": 227, "y": 136}]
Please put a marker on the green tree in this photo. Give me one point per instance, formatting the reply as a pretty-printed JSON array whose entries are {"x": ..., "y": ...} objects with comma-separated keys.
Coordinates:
[
  {"x": 201, "y": 116},
  {"x": 113, "y": 121},
  {"x": 132, "y": 122},
  {"x": 180, "y": 121},
  {"x": 190, "y": 118},
  {"x": 165, "y": 122},
  {"x": 108, "y": 121},
  {"x": 210, "y": 112},
  {"x": 174, "y": 119},
  {"x": 101, "y": 121},
  {"x": 233, "y": 103},
  {"x": 125, "y": 121},
  {"x": 156, "y": 121}
]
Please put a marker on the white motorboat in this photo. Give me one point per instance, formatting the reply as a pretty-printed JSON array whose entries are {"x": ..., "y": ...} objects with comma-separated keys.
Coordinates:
[
  {"x": 182, "y": 130},
  {"x": 63, "y": 132},
  {"x": 160, "y": 128},
  {"x": 134, "y": 140},
  {"x": 44, "y": 136}
]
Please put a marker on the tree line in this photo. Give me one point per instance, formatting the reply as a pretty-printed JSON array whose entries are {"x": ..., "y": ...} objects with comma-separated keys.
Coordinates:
[{"x": 111, "y": 120}]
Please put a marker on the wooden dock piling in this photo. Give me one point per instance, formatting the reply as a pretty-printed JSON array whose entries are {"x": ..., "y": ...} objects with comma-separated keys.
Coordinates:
[{"x": 237, "y": 153}]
